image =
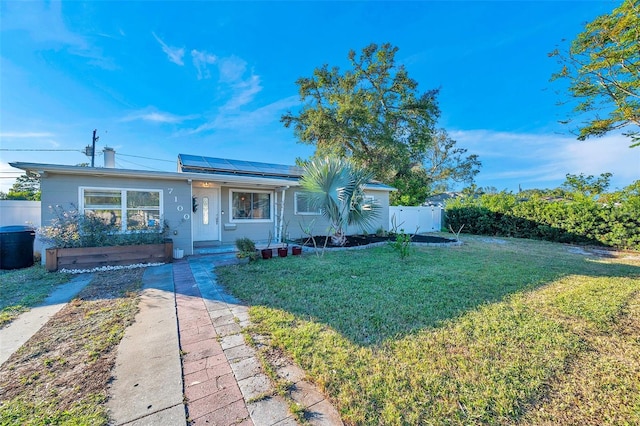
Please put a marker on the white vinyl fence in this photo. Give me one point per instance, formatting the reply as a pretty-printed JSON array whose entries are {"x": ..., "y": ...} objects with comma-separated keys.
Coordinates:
[
  {"x": 422, "y": 218},
  {"x": 20, "y": 212}
]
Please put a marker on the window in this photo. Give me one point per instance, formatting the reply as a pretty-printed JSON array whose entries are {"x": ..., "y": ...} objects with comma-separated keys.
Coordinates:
[
  {"x": 302, "y": 207},
  {"x": 130, "y": 210},
  {"x": 369, "y": 201},
  {"x": 255, "y": 205},
  {"x": 205, "y": 210}
]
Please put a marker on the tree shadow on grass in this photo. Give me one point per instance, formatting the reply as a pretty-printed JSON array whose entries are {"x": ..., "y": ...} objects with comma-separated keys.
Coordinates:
[{"x": 370, "y": 296}]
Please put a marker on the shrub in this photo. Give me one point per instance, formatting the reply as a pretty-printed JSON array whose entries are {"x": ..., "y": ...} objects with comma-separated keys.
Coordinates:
[
  {"x": 611, "y": 220},
  {"x": 402, "y": 244},
  {"x": 246, "y": 248},
  {"x": 71, "y": 229}
]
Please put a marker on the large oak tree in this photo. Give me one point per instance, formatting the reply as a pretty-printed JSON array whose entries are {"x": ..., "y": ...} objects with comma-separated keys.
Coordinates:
[{"x": 374, "y": 114}]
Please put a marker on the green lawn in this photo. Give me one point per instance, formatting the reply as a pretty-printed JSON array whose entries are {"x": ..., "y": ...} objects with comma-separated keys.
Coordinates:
[
  {"x": 519, "y": 332},
  {"x": 21, "y": 289}
]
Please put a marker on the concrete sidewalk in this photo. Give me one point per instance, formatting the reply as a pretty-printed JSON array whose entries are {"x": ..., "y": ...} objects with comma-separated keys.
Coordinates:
[
  {"x": 147, "y": 385},
  {"x": 184, "y": 359}
]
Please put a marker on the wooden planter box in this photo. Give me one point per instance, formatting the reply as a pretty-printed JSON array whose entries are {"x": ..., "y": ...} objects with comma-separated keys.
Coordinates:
[{"x": 92, "y": 257}]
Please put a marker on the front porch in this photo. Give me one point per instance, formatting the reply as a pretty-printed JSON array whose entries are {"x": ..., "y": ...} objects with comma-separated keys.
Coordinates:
[{"x": 217, "y": 247}]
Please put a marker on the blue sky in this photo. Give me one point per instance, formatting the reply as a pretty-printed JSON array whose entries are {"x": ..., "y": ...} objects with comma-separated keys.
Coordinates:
[{"x": 213, "y": 78}]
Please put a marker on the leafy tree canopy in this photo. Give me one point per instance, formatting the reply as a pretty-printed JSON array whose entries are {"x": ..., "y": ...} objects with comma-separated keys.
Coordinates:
[
  {"x": 26, "y": 187},
  {"x": 602, "y": 67},
  {"x": 589, "y": 186},
  {"x": 374, "y": 114}
]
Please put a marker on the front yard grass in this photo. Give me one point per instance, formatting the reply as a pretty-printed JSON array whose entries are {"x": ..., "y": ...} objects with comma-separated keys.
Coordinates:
[
  {"x": 492, "y": 332},
  {"x": 21, "y": 289},
  {"x": 61, "y": 375}
]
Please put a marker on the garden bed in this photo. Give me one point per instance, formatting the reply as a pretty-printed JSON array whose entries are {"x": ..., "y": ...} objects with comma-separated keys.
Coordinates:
[
  {"x": 364, "y": 240},
  {"x": 92, "y": 257}
]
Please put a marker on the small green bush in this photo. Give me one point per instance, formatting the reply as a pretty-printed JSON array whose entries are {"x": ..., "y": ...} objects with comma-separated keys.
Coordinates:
[
  {"x": 246, "y": 248},
  {"x": 402, "y": 244}
]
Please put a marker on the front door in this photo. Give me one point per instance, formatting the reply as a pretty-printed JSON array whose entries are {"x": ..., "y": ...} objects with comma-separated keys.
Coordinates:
[{"x": 206, "y": 219}]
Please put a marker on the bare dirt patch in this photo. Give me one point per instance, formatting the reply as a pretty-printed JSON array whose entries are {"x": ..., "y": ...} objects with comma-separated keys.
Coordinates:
[{"x": 66, "y": 366}]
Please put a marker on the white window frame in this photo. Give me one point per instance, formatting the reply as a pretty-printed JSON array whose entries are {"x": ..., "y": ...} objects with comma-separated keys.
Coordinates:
[
  {"x": 123, "y": 202},
  {"x": 253, "y": 191},
  {"x": 371, "y": 199},
  {"x": 302, "y": 213}
]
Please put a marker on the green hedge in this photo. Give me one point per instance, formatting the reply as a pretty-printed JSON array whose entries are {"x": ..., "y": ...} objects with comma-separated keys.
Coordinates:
[{"x": 612, "y": 220}]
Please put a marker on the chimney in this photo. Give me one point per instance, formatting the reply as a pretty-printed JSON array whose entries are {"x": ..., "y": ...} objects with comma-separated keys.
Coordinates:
[{"x": 109, "y": 157}]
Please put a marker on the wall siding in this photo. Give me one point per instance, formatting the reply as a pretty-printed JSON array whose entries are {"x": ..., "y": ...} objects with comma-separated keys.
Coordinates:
[
  {"x": 63, "y": 190},
  {"x": 259, "y": 232}
]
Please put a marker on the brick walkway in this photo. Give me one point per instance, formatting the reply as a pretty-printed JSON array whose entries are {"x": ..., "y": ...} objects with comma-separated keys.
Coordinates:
[
  {"x": 211, "y": 390},
  {"x": 223, "y": 379}
]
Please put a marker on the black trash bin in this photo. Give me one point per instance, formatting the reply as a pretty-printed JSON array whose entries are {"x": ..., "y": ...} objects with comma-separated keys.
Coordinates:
[{"x": 16, "y": 246}]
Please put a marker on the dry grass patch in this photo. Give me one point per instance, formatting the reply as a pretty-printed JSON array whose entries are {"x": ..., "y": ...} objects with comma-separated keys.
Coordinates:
[
  {"x": 60, "y": 376},
  {"x": 601, "y": 385}
]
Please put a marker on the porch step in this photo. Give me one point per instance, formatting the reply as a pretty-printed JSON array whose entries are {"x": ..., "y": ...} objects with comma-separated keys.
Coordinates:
[
  {"x": 211, "y": 249},
  {"x": 207, "y": 247}
]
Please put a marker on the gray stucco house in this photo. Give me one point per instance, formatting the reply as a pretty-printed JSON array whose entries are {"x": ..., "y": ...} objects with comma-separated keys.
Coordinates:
[{"x": 207, "y": 201}]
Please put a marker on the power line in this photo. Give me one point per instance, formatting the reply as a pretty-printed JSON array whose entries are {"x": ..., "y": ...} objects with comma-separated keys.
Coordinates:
[
  {"x": 80, "y": 150},
  {"x": 146, "y": 158},
  {"x": 119, "y": 162},
  {"x": 10, "y": 149}
]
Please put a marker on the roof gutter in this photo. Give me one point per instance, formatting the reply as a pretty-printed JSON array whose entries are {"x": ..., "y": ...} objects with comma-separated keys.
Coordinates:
[{"x": 128, "y": 173}]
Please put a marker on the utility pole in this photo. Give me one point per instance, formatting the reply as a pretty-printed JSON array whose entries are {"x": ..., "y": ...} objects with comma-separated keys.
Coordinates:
[{"x": 93, "y": 150}]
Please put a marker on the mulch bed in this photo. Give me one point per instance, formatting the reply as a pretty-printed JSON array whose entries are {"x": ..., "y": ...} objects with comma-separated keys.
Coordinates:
[{"x": 363, "y": 240}]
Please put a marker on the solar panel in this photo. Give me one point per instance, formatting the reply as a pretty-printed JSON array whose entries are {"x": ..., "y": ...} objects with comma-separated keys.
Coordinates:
[
  {"x": 211, "y": 164},
  {"x": 219, "y": 164},
  {"x": 245, "y": 166},
  {"x": 192, "y": 160}
]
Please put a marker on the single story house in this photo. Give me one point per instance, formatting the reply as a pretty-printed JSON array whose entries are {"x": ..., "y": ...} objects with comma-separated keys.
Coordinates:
[
  {"x": 207, "y": 201},
  {"x": 439, "y": 200}
]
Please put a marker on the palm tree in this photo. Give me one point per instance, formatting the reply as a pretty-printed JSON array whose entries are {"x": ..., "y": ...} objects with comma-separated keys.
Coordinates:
[{"x": 336, "y": 186}]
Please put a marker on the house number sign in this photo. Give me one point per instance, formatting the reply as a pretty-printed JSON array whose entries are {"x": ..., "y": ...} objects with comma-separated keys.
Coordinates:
[{"x": 179, "y": 207}]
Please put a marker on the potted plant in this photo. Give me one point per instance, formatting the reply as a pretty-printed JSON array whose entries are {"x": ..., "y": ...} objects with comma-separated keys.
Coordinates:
[
  {"x": 266, "y": 252},
  {"x": 246, "y": 249},
  {"x": 283, "y": 250},
  {"x": 296, "y": 250}
]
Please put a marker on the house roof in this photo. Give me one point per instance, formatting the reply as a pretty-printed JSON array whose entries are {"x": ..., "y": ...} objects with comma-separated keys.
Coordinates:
[
  {"x": 227, "y": 167},
  {"x": 200, "y": 164},
  {"x": 149, "y": 174},
  {"x": 198, "y": 168},
  {"x": 440, "y": 199}
]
